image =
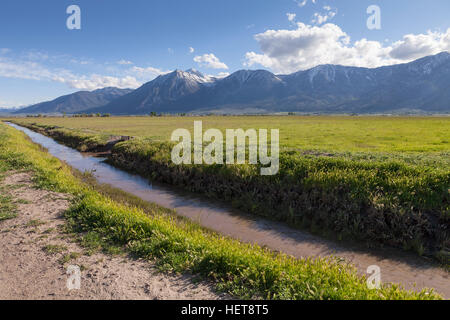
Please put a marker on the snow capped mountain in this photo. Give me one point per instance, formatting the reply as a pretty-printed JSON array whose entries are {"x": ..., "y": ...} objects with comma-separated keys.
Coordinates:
[
  {"x": 166, "y": 91},
  {"x": 420, "y": 85},
  {"x": 197, "y": 76},
  {"x": 328, "y": 72},
  {"x": 245, "y": 76},
  {"x": 174, "y": 84},
  {"x": 191, "y": 76},
  {"x": 190, "y": 79},
  {"x": 428, "y": 64}
]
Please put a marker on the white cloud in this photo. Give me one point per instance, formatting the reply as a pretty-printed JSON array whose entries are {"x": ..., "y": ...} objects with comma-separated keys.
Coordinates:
[
  {"x": 302, "y": 3},
  {"x": 9, "y": 104},
  {"x": 148, "y": 72},
  {"x": 291, "y": 16},
  {"x": 32, "y": 70},
  {"x": 80, "y": 62},
  {"x": 220, "y": 75},
  {"x": 416, "y": 46},
  {"x": 210, "y": 61},
  {"x": 35, "y": 71},
  {"x": 34, "y": 55},
  {"x": 286, "y": 51},
  {"x": 28, "y": 70},
  {"x": 134, "y": 78},
  {"x": 5, "y": 50},
  {"x": 191, "y": 50},
  {"x": 124, "y": 62},
  {"x": 96, "y": 81},
  {"x": 319, "y": 18}
]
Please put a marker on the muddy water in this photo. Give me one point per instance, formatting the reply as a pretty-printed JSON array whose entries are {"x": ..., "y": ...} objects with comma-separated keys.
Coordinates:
[{"x": 396, "y": 266}]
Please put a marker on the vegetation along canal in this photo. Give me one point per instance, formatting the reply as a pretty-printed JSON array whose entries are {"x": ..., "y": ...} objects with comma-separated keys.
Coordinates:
[{"x": 396, "y": 266}]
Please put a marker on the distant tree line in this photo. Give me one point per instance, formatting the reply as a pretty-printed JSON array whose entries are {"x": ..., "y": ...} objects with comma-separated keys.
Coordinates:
[
  {"x": 154, "y": 114},
  {"x": 36, "y": 116},
  {"x": 78, "y": 115},
  {"x": 91, "y": 115}
]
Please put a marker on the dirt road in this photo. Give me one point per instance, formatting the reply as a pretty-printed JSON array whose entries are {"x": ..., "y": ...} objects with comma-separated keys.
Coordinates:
[{"x": 35, "y": 255}]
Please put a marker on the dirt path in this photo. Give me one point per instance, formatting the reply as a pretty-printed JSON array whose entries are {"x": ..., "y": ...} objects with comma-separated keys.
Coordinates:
[{"x": 33, "y": 246}]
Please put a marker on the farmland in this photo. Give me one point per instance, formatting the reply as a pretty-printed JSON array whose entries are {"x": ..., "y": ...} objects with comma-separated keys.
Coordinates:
[
  {"x": 334, "y": 134},
  {"x": 378, "y": 180},
  {"x": 245, "y": 271}
]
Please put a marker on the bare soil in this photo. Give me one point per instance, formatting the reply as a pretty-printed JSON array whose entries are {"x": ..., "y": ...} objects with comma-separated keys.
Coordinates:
[{"x": 33, "y": 245}]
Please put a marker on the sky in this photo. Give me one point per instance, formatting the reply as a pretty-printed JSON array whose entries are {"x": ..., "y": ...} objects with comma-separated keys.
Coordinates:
[{"x": 127, "y": 43}]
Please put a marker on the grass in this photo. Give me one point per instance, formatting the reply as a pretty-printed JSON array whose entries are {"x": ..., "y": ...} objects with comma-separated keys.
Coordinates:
[
  {"x": 381, "y": 196},
  {"x": 53, "y": 249},
  {"x": 330, "y": 134},
  {"x": 69, "y": 257},
  {"x": 49, "y": 231},
  {"x": 23, "y": 201},
  {"x": 243, "y": 270},
  {"x": 35, "y": 223},
  {"x": 7, "y": 206}
]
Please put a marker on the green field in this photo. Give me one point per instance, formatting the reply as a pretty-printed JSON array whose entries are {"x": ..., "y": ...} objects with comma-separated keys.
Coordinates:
[
  {"x": 243, "y": 270},
  {"x": 378, "y": 180},
  {"x": 335, "y": 134}
]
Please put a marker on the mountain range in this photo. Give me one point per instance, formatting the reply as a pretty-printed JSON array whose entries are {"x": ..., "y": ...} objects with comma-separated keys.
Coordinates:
[
  {"x": 8, "y": 110},
  {"x": 421, "y": 86},
  {"x": 76, "y": 102}
]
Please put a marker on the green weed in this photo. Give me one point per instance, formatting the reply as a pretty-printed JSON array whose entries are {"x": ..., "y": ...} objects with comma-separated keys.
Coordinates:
[{"x": 53, "y": 249}]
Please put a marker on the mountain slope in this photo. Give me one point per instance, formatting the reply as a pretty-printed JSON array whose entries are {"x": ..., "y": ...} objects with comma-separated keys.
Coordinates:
[
  {"x": 76, "y": 102},
  {"x": 163, "y": 93},
  {"x": 7, "y": 110},
  {"x": 422, "y": 85}
]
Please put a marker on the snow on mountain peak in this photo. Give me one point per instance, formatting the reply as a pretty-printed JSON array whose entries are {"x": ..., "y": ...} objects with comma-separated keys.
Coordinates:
[
  {"x": 244, "y": 75},
  {"x": 428, "y": 64},
  {"x": 327, "y": 71},
  {"x": 195, "y": 72},
  {"x": 194, "y": 75}
]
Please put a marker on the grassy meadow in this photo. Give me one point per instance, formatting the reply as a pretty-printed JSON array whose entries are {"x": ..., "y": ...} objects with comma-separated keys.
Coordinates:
[
  {"x": 177, "y": 245},
  {"x": 377, "y": 180},
  {"x": 332, "y": 134}
]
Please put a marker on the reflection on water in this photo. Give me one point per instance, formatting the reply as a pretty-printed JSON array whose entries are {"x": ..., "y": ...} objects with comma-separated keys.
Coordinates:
[
  {"x": 203, "y": 211},
  {"x": 396, "y": 266}
]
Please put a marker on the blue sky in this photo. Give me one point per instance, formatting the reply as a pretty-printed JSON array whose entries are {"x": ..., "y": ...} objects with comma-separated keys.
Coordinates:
[{"x": 127, "y": 43}]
